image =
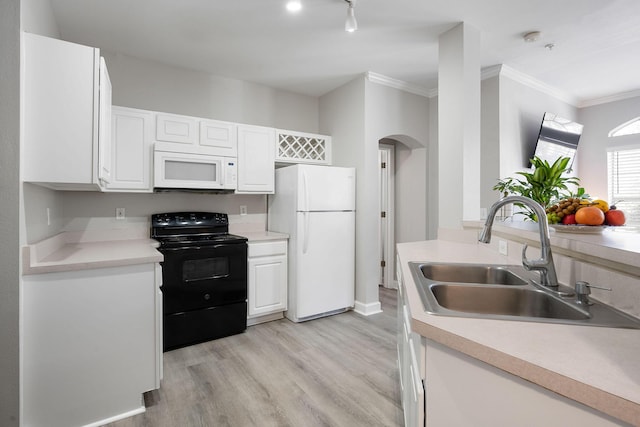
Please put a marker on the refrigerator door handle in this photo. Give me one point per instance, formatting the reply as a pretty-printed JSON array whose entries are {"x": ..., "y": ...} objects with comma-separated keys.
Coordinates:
[
  {"x": 305, "y": 238},
  {"x": 305, "y": 192}
]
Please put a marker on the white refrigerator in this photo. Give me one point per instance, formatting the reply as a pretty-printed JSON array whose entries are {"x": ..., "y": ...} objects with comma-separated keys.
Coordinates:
[{"x": 315, "y": 205}]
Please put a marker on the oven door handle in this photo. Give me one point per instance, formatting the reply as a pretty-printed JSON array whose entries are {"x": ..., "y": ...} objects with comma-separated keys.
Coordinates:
[
  {"x": 221, "y": 276},
  {"x": 183, "y": 248}
]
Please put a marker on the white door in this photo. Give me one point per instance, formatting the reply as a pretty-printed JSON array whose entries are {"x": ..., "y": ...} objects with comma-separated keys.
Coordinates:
[
  {"x": 322, "y": 188},
  {"x": 325, "y": 278},
  {"x": 386, "y": 199}
]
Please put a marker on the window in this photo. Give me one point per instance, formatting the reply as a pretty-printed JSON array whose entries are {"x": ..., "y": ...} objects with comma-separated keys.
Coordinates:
[
  {"x": 632, "y": 127},
  {"x": 624, "y": 182}
]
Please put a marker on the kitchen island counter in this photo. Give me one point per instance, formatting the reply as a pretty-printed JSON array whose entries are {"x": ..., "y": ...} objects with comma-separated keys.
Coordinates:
[{"x": 591, "y": 365}]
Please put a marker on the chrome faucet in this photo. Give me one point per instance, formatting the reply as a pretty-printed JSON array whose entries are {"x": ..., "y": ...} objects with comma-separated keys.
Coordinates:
[{"x": 544, "y": 264}]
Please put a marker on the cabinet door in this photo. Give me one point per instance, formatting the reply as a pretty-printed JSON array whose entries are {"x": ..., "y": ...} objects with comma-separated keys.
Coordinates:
[
  {"x": 173, "y": 128},
  {"x": 105, "y": 165},
  {"x": 267, "y": 285},
  {"x": 256, "y": 159},
  {"x": 221, "y": 137},
  {"x": 94, "y": 332},
  {"x": 60, "y": 113},
  {"x": 132, "y": 138}
]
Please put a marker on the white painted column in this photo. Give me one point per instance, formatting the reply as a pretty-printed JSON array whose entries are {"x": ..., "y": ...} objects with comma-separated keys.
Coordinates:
[{"x": 459, "y": 127}]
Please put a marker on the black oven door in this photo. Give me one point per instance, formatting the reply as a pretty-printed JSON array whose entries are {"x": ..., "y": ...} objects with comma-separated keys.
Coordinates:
[{"x": 203, "y": 276}]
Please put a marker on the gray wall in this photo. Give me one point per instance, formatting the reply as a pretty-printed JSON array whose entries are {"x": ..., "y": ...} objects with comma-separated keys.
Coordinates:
[
  {"x": 359, "y": 115},
  {"x": 342, "y": 113},
  {"x": 10, "y": 213},
  {"x": 402, "y": 117},
  {"x": 149, "y": 85},
  {"x": 521, "y": 110},
  {"x": 598, "y": 121}
]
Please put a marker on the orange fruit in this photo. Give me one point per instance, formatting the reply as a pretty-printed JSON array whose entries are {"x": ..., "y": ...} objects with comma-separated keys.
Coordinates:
[{"x": 590, "y": 215}]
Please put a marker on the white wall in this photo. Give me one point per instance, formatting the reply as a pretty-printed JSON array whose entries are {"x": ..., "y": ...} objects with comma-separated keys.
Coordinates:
[
  {"x": 432, "y": 174},
  {"x": 10, "y": 213},
  {"x": 459, "y": 126},
  {"x": 598, "y": 121}
]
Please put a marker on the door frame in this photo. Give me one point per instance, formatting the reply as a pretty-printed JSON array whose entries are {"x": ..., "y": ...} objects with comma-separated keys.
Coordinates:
[{"x": 386, "y": 202}]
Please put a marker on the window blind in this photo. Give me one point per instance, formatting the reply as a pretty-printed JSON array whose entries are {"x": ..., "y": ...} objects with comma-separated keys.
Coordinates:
[{"x": 624, "y": 182}]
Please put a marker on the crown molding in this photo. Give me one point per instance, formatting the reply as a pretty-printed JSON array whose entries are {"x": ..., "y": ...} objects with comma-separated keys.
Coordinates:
[
  {"x": 610, "y": 98},
  {"x": 397, "y": 84},
  {"x": 536, "y": 84}
]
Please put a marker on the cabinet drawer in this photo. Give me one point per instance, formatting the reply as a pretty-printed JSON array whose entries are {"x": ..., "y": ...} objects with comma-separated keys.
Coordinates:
[{"x": 267, "y": 248}]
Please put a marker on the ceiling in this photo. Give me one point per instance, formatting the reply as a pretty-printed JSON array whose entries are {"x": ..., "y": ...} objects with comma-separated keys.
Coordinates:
[{"x": 596, "y": 49}]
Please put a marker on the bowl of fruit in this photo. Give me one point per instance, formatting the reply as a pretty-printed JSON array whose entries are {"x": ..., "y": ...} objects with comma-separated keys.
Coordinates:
[{"x": 578, "y": 215}]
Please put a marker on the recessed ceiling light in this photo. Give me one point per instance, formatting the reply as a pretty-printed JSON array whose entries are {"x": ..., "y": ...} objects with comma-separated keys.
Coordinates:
[
  {"x": 294, "y": 5},
  {"x": 531, "y": 36}
]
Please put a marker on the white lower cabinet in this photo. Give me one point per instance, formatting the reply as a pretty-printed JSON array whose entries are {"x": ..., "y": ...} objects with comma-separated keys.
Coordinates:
[
  {"x": 132, "y": 150},
  {"x": 90, "y": 344},
  {"x": 267, "y": 265},
  {"x": 410, "y": 364},
  {"x": 463, "y": 391},
  {"x": 442, "y": 387}
]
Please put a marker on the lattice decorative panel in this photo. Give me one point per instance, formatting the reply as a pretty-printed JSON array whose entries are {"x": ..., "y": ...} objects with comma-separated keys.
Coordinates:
[{"x": 303, "y": 148}]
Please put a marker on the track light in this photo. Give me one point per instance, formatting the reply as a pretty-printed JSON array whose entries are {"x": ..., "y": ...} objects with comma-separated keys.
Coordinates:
[
  {"x": 350, "y": 25},
  {"x": 294, "y": 5}
]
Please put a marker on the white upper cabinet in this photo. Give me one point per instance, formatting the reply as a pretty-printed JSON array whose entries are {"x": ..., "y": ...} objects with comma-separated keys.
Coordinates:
[
  {"x": 176, "y": 129},
  {"x": 256, "y": 159},
  {"x": 194, "y": 135},
  {"x": 221, "y": 137},
  {"x": 104, "y": 126},
  {"x": 132, "y": 150},
  {"x": 62, "y": 113}
]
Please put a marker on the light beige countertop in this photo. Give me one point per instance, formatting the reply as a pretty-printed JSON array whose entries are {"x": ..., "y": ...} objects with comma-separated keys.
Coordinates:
[
  {"x": 261, "y": 236},
  {"x": 614, "y": 247},
  {"x": 592, "y": 365},
  {"x": 70, "y": 251}
]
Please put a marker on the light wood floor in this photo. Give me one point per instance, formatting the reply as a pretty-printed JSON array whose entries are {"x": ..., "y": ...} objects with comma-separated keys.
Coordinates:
[{"x": 335, "y": 371}]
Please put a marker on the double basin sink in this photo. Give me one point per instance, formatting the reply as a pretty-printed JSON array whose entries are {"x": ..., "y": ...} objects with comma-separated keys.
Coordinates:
[{"x": 506, "y": 292}]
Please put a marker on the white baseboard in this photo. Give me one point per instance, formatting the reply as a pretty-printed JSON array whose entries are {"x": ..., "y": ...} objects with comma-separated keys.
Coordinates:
[
  {"x": 118, "y": 417},
  {"x": 367, "y": 309}
]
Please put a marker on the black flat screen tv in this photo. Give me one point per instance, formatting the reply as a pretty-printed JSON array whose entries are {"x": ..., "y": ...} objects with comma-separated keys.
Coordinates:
[{"x": 558, "y": 137}]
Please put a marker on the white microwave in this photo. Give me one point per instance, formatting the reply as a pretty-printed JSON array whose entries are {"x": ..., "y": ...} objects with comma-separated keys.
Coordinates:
[{"x": 194, "y": 171}]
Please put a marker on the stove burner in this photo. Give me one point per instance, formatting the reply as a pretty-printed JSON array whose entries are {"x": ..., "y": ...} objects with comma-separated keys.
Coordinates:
[{"x": 192, "y": 228}]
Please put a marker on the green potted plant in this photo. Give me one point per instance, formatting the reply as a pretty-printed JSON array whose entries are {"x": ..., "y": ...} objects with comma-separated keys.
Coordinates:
[{"x": 545, "y": 184}]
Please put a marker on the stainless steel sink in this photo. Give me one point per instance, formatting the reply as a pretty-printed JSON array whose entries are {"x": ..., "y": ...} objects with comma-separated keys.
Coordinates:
[
  {"x": 471, "y": 273},
  {"x": 505, "y": 292},
  {"x": 504, "y": 301}
]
